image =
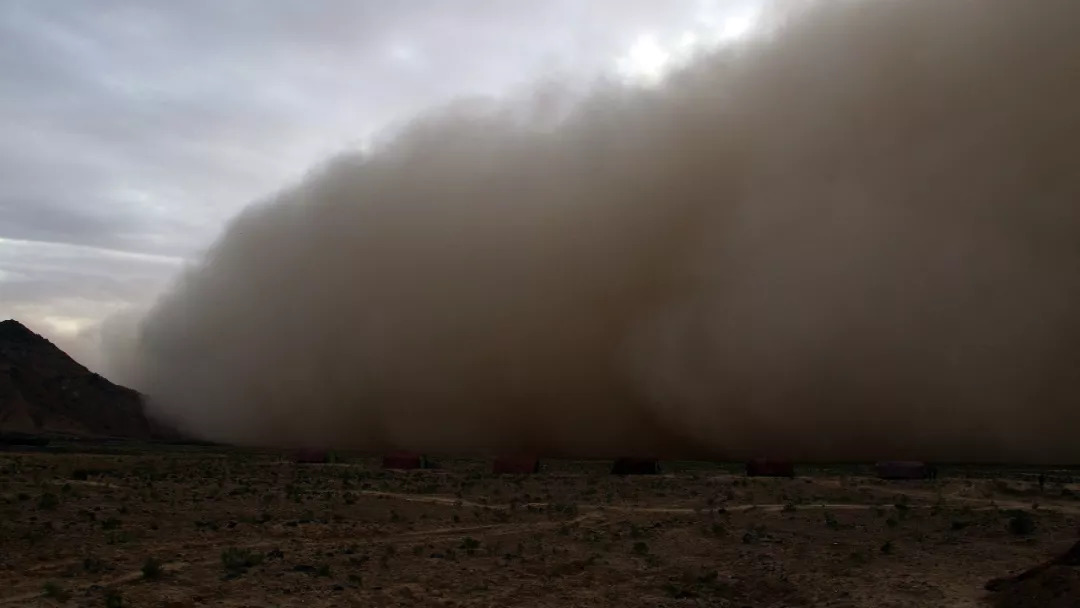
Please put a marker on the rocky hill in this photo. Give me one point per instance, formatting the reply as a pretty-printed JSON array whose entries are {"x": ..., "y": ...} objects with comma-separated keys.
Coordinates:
[{"x": 43, "y": 391}]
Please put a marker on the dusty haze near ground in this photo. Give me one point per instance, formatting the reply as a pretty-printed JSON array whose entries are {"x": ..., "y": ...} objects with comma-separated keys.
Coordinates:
[{"x": 853, "y": 237}]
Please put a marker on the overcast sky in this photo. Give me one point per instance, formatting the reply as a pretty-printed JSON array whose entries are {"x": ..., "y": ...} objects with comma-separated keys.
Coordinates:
[{"x": 134, "y": 129}]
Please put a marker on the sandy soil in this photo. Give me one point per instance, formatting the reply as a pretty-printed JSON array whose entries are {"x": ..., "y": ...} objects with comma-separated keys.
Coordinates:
[{"x": 203, "y": 528}]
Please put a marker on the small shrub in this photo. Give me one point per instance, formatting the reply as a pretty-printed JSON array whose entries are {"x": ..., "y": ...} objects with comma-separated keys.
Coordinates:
[
  {"x": 111, "y": 524},
  {"x": 570, "y": 510},
  {"x": 754, "y": 534},
  {"x": 641, "y": 548},
  {"x": 831, "y": 521},
  {"x": 470, "y": 545},
  {"x": 789, "y": 507},
  {"x": 117, "y": 538},
  {"x": 151, "y": 568},
  {"x": 678, "y": 591},
  {"x": 113, "y": 599},
  {"x": 1021, "y": 523},
  {"x": 48, "y": 501},
  {"x": 56, "y": 592},
  {"x": 887, "y": 548},
  {"x": 94, "y": 565},
  {"x": 238, "y": 560}
]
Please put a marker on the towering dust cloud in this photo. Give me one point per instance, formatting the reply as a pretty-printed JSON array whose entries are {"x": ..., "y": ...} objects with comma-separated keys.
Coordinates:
[{"x": 856, "y": 237}]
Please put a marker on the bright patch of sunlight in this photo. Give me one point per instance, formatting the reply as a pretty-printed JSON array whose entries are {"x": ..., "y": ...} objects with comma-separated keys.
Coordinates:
[
  {"x": 651, "y": 57},
  {"x": 65, "y": 326}
]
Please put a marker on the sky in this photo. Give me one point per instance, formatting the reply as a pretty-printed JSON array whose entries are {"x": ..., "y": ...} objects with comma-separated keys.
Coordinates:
[{"x": 135, "y": 129}]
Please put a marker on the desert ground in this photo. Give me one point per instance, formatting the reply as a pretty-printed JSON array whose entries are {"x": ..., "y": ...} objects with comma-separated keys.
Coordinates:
[{"x": 200, "y": 526}]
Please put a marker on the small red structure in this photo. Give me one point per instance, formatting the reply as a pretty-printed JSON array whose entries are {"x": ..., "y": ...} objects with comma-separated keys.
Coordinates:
[
  {"x": 765, "y": 467},
  {"x": 516, "y": 465},
  {"x": 405, "y": 461},
  {"x": 312, "y": 456},
  {"x": 635, "y": 466},
  {"x": 905, "y": 469}
]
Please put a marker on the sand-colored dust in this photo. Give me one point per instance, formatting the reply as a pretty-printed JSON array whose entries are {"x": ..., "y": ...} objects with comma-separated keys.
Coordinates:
[{"x": 854, "y": 236}]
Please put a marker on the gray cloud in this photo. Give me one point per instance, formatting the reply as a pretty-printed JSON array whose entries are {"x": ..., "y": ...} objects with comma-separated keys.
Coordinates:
[{"x": 142, "y": 127}]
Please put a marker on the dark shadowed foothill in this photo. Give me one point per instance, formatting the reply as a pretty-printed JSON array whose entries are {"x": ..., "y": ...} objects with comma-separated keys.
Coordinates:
[{"x": 43, "y": 391}]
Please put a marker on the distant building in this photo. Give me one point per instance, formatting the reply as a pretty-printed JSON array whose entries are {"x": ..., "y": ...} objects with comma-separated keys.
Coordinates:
[
  {"x": 313, "y": 456},
  {"x": 406, "y": 461},
  {"x": 768, "y": 467},
  {"x": 635, "y": 466},
  {"x": 516, "y": 465},
  {"x": 905, "y": 469}
]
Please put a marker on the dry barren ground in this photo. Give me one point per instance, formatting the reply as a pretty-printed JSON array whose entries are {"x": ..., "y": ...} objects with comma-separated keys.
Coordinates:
[{"x": 189, "y": 527}]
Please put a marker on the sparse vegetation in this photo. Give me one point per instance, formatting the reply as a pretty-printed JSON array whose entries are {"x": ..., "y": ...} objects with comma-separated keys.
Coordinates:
[
  {"x": 1021, "y": 522},
  {"x": 114, "y": 599},
  {"x": 48, "y": 501},
  {"x": 831, "y": 522},
  {"x": 151, "y": 569},
  {"x": 755, "y": 534},
  {"x": 649, "y": 536},
  {"x": 238, "y": 560},
  {"x": 94, "y": 565},
  {"x": 54, "y": 591},
  {"x": 470, "y": 545}
]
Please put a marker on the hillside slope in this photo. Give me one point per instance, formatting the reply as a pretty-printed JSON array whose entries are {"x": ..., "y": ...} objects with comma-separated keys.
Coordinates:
[{"x": 44, "y": 391}]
